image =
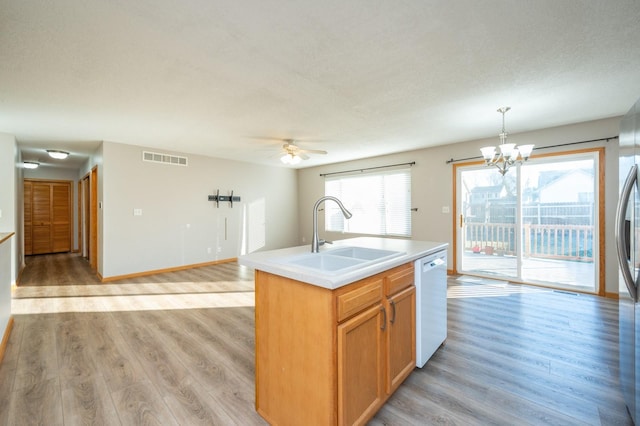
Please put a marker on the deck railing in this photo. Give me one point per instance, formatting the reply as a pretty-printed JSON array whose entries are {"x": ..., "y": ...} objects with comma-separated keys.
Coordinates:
[{"x": 566, "y": 242}]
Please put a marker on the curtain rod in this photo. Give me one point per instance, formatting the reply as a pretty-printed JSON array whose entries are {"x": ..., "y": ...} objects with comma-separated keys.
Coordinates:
[
  {"x": 368, "y": 168},
  {"x": 542, "y": 147}
]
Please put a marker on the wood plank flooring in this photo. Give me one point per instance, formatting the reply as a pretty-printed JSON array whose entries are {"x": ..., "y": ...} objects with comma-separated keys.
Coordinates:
[{"x": 514, "y": 355}]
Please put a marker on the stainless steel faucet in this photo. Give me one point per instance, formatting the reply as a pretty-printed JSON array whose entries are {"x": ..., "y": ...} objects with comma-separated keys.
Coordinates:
[{"x": 315, "y": 242}]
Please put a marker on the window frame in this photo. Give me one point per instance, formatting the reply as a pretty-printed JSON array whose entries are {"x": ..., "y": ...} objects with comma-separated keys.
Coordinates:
[{"x": 352, "y": 194}]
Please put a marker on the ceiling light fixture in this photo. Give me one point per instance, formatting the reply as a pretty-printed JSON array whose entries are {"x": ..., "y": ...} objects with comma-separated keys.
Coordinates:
[
  {"x": 290, "y": 159},
  {"x": 30, "y": 165},
  {"x": 57, "y": 154},
  {"x": 508, "y": 154}
]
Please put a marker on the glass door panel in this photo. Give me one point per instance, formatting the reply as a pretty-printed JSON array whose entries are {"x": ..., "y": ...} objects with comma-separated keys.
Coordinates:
[
  {"x": 488, "y": 218},
  {"x": 559, "y": 218}
]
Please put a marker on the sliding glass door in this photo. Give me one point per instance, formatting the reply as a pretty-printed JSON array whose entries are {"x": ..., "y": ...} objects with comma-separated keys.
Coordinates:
[
  {"x": 488, "y": 221},
  {"x": 537, "y": 224}
]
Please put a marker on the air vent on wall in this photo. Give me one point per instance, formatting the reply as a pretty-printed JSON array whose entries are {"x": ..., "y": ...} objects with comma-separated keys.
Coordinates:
[{"x": 156, "y": 157}]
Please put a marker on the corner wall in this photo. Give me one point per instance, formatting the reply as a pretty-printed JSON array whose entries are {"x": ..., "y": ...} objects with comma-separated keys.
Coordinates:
[
  {"x": 9, "y": 257},
  {"x": 432, "y": 183},
  {"x": 10, "y": 176}
]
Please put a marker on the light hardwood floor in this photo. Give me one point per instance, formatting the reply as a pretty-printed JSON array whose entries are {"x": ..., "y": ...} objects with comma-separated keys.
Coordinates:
[{"x": 515, "y": 355}]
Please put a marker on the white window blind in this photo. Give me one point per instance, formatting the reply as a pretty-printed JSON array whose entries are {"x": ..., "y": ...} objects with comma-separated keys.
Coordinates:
[{"x": 379, "y": 201}]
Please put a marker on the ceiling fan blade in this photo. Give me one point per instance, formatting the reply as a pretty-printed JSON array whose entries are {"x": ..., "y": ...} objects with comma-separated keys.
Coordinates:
[
  {"x": 313, "y": 151},
  {"x": 302, "y": 155}
]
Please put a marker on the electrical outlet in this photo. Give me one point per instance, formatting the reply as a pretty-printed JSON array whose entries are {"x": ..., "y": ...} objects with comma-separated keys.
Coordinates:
[
  {"x": 208, "y": 250},
  {"x": 445, "y": 209},
  {"x": 137, "y": 212}
]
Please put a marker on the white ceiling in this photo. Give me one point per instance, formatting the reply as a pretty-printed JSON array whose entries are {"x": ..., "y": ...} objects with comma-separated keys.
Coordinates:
[{"x": 359, "y": 78}]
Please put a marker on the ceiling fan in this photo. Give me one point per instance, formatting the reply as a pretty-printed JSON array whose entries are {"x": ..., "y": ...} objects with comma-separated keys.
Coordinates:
[{"x": 293, "y": 154}]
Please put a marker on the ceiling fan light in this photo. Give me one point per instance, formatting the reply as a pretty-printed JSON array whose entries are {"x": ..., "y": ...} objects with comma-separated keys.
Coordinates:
[
  {"x": 30, "y": 165},
  {"x": 290, "y": 159},
  {"x": 57, "y": 154},
  {"x": 286, "y": 159}
]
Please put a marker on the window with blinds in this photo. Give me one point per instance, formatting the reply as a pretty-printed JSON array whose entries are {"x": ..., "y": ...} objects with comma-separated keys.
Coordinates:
[{"x": 379, "y": 201}]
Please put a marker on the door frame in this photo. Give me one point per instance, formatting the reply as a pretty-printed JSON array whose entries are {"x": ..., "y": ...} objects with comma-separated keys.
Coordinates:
[
  {"x": 93, "y": 219},
  {"x": 600, "y": 279}
]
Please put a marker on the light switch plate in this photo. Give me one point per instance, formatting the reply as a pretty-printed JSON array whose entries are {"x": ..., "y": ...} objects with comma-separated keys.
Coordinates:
[
  {"x": 445, "y": 209},
  {"x": 137, "y": 212}
]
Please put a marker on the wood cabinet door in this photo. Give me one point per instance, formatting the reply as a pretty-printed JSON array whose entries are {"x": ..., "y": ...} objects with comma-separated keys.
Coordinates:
[
  {"x": 361, "y": 366},
  {"x": 401, "y": 337}
]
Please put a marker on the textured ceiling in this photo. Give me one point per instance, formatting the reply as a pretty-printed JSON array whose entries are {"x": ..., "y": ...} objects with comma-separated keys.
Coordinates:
[{"x": 355, "y": 78}]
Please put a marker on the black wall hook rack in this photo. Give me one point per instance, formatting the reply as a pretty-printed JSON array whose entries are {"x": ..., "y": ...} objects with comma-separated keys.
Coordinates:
[{"x": 217, "y": 198}]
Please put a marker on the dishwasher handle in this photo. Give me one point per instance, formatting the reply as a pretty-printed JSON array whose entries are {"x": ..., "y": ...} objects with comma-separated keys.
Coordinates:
[{"x": 431, "y": 264}]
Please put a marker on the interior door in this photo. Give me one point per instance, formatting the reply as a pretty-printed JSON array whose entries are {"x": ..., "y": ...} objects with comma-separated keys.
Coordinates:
[
  {"x": 48, "y": 217},
  {"x": 86, "y": 212},
  {"x": 61, "y": 217},
  {"x": 28, "y": 218},
  {"x": 41, "y": 224}
]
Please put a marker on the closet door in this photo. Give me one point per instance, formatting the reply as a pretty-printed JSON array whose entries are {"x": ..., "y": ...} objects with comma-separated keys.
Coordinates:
[
  {"x": 41, "y": 226},
  {"x": 47, "y": 212},
  {"x": 28, "y": 219},
  {"x": 60, "y": 217}
]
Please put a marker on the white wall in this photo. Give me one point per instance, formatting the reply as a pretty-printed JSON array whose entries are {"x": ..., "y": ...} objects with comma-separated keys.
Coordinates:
[
  {"x": 9, "y": 255},
  {"x": 432, "y": 183},
  {"x": 9, "y": 174},
  {"x": 178, "y": 225}
]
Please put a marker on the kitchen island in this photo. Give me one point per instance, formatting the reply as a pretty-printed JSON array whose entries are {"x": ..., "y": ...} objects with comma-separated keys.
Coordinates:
[{"x": 334, "y": 337}]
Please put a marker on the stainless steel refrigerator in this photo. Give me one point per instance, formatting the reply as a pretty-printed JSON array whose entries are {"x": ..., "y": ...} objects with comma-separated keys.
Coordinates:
[{"x": 628, "y": 247}]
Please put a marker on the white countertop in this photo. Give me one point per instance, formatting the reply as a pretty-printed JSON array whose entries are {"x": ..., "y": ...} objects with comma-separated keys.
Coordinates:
[{"x": 271, "y": 261}]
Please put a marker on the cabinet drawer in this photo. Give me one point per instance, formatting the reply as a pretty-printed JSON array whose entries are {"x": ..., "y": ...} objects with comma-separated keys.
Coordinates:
[
  {"x": 399, "y": 280},
  {"x": 354, "y": 301}
]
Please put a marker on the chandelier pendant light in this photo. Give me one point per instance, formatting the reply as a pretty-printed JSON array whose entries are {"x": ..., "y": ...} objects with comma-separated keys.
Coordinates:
[{"x": 507, "y": 154}]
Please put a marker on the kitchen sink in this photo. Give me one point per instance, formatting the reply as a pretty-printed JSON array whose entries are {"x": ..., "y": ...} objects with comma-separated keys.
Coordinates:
[
  {"x": 340, "y": 259},
  {"x": 324, "y": 262},
  {"x": 364, "y": 253}
]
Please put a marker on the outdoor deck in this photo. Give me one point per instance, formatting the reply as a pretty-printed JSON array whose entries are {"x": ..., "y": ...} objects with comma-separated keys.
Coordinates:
[{"x": 572, "y": 275}]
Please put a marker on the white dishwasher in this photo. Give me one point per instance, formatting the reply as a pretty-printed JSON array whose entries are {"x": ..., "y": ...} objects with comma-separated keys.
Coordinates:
[{"x": 431, "y": 305}]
